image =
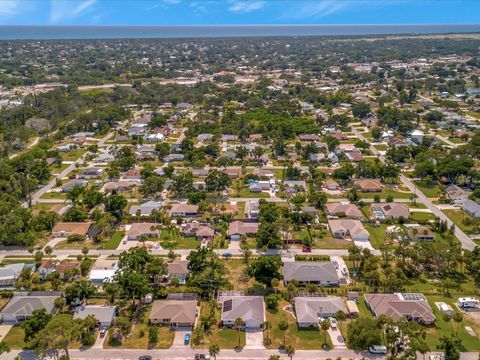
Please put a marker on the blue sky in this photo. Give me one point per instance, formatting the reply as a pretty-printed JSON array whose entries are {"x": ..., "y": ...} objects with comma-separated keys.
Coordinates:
[{"x": 224, "y": 12}]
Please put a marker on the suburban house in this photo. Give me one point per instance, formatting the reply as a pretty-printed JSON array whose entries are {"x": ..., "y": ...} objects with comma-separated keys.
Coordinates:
[
  {"x": 354, "y": 156},
  {"x": 343, "y": 228},
  {"x": 91, "y": 173},
  {"x": 136, "y": 230},
  {"x": 456, "y": 194},
  {"x": 468, "y": 302},
  {"x": 390, "y": 211},
  {"x": 177, "y": 269},
  {"x": 259, "y": 186},
  {"x": 73, "y": 183},
  {"x": 251, "y": 309},
  {"x": 238, "y": 228},
  {"x": 184, "y": 210},
  {"x": 104, "y": 314},
  {"x": 48, "y": 267},
  {"x": 103, "y": 271},
  {"x": 132, "y": 174},
  {"x": 146, "y": 208},
  {"x": 9, "y": 274},
  {"x": 21, "y": 307},
  {"x": 65, "y": 229},
  {"x": 121, "y": 185},
  {"x": 343, "y": 210},
  {"x": 317, "y": 157},
  {"x": 252, "y": 209},
  {"x": 292, "y": 186},
  {"x": 310, "y": 272},
  {"x": 309, "y": 137},
  {"x": 368, "y": 185},
  {"x": 176, "y": 314},
  {"x": 309, "y": 309},
  {"x": 331, "y": 184},
  {"x": 205, "y": 233},
  {"x": 411, "y": 306},
  {"x": 472, "y": 208}
]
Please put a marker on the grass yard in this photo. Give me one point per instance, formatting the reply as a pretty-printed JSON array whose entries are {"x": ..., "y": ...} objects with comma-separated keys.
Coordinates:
[
  {"x": 307, "y": 339},
  {"x": 15, "y": 338},
  {"x": 421, "y": 216},
  {"x": 385, "y": 192},
  {"x": 245, "y": 193},
  {"x": 431, "y": 191},
  {"x": 55, "y": 195},
  {"x": 139, "y": 338},
  {"x": 224, "y": 338},
  {"x": 458, "y": 216},
  {"x": 180, "y": 242},
  {"x": 324, "y": 240},
  {"x": 72, "y": 155},
  {"x": 235, "y": 271},
  {"x": 377, "y": 235},
  {"x": 78, "y": 245},
  {"x": 241, "y": 210},
  {"x": 114, "y": 241},
  {"x": 443, "y": 328},
  {"x": 381, "y": 147}
]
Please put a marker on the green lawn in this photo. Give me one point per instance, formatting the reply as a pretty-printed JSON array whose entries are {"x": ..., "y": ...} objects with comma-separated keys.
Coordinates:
[
  {"x": 384, "y": 193},
  {"x": 72, "y": 155},
  {"x": 430, "y": 191},
  {"x": 180, "y": 242},
  {"x": 224, "y": 338},
  {"x": 307, "y": 339},
  {"x": 443, "y": 328},
  {"x": 15, "y": 338},
  {"x": 458, "y": 216},
  {"x": 381, "y": 147},
  {"x": 114, "y": 241},
  {"x": 54, "y": 195},
  {"x": 377, "y": 234},
  {"x": 245, "y": 193},
  {"x": 421, "y": 216}
]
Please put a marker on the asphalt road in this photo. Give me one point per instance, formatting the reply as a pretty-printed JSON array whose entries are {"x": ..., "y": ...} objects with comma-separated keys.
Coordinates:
[{"x": 466, "y": 242}]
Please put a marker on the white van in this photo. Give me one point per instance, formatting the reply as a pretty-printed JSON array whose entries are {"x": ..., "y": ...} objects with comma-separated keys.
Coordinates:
[{"x": 378, "y": 349}]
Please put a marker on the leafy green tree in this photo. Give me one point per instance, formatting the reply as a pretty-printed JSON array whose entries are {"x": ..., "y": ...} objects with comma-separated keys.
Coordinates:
[
  {"x": 35, "y": 323},
  {"x": 265, "y": 268},
  {"x": 271, "y": 301},
  {"x": 214, "y": 350},
  {"x": 283, "y": 326},
  {"x": 152, "y": 335},
  {"x": 217, "y": 181},
  {"x": 79, "y": 290},
  {"x": 363, "y": 333}
]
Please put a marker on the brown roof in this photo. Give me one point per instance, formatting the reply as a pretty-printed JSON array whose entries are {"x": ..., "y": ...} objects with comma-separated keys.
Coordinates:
[
  {"x": 392, "y": 210},
  {"x": 178, "y": 267},
  {"x": 397, "y": 306},
  {"x": 184, "y": 208},
  {"x": 354, "y": 156},
  {"x": 178, "y": 311},
  {"x": 330, "y": 182},
  {"x": 350, "y": 210},
  {"x": 80, "y": 228},
  {"x": 139, "y": 229},
  {"x": 242, "y": 228},
  {"x": 368, "y": 184},
  {"x": 205, "y": 231}
]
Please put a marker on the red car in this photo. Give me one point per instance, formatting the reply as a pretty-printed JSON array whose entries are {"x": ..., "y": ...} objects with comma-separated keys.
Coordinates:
[{"x": 306, "y": 249}]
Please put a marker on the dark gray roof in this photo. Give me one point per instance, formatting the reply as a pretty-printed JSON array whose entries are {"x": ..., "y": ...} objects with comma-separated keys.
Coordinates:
[
  {"x": 25, "y": 305},
  {"x": 310, "y": 271}
]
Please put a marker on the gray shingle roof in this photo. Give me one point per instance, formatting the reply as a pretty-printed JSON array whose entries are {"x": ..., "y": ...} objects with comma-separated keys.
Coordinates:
[{"x": 310, "y": 271}]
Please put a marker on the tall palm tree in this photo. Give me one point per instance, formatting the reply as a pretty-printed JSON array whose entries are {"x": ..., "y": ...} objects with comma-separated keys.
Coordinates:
[
  {"x": 283, "y": 326},
  {"x": 325, "y": 325},
  {"x": 290, "y": 351},
  {"x": 214, "y": 350},
  {"x": 238, "y": 325}
]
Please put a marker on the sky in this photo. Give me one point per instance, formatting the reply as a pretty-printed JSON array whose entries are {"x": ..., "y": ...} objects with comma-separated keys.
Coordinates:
[{"x": 237, "y": 12}]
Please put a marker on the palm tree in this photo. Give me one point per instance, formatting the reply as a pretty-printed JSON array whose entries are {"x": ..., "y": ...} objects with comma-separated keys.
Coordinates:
[
  {"x": 266, "y": 327},
  {"x": 290, "y": 351},
  {"x": 214, "y": 350},
  {"x": 325, "y": 325},
  {"x": 238, "y": 325},
  {"x": 283, "y": 326}
]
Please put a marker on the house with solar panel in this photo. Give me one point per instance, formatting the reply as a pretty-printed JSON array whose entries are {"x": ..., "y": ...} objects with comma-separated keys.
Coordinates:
[{"x": 251, "y": 309}]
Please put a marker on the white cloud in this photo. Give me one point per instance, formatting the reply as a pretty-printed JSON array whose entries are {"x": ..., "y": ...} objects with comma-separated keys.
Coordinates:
[
  {"x": 62, "y": 11},
  {"x": 246, "y": 6},
  {"x": 8, "y": 8},
  {"x": 172, "y": 2},
  {"x": 318, "y": 9}
]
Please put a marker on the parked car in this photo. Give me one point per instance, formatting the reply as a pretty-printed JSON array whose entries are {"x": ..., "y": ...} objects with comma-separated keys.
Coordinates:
[
  {"x": 202, "y": 357},
  {"x": 226, "y": 255},
  {"x": 145, "y": 357},
  {"x": 103, "y": 332},
  {"x": 306, "y": 249},
  {"x": 333, "y": 323},
  {"x": 187, "y": 339},
  {"x": 378, "y": 349}
]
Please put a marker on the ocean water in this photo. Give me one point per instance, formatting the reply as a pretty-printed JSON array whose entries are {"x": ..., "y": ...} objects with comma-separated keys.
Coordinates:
[{"x": 121, "y": 32}]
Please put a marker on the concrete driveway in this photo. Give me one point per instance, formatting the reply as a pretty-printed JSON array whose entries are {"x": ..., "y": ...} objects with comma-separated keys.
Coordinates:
[
  {"x": 179, "y": 339},
  {"x": 4, "y": 329},
  {"x": 337, "y": 339},
  {"x": 254, "y": 339}
]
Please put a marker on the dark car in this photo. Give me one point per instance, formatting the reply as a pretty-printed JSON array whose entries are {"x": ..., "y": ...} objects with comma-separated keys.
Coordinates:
[
  {"x": 306, "y": 249},
  {"x": 202, "y": 357},
  {"x": 145, "y": 357}
]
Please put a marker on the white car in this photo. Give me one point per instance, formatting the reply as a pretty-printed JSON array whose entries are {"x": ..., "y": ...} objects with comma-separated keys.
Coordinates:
[
  {"x": 378, "y": 349},
  {"x": 333, "y": 323}
]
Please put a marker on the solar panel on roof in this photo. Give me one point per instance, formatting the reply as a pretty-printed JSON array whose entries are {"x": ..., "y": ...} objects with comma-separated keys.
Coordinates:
[{"x": 227, "y": 305}]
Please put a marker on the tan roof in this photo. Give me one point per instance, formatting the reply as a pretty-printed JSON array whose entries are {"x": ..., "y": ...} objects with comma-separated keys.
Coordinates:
[
  {"x": 352, "y": 227},
  {"x": 205, "y": 231},
  {"x": 184, "y": 208},
  {"x": 80, "y": 228},
  {"x": 350, "y": 210},
  {"x": 368, "y": 184},
  {"x": 330, "y": 182},
  {"x": 392, "y": 210},
  {"x": 397, "y": 306},
  {"x": 178, "y": 311},
  {"x": 242, "y": 228},
  {"x": 178, "y": 267},
  {"x": 139, "y": 229}
]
